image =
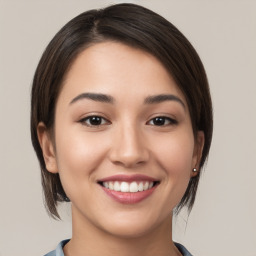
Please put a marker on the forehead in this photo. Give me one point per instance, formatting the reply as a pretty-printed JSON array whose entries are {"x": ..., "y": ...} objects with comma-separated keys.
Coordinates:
[{"x": 115, "y": 68}]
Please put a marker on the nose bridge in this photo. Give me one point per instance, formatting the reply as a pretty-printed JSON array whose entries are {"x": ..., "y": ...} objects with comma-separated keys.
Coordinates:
[{"x": 128, "y": 147}]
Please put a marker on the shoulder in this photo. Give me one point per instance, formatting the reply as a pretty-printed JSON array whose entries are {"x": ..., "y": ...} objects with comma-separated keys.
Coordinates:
[
  {"x": 183, "y": 250},
  {"x": 59, "y": 250}
]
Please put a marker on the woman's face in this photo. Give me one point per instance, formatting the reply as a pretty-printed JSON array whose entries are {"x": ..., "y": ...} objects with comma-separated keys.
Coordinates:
[{"x": 121, "y": 123}]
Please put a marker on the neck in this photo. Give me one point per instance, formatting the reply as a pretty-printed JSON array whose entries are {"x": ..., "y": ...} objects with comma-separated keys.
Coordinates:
[{"x": 90, "y": 240}]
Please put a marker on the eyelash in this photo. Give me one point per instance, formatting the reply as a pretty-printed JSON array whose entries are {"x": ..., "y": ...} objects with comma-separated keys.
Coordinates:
[{"x": 162, "y": 121}]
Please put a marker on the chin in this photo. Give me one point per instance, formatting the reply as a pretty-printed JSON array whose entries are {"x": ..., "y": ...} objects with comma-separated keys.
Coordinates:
[
  {"x": 133, "y": 226},
  {"x": 128, "y": 231}
]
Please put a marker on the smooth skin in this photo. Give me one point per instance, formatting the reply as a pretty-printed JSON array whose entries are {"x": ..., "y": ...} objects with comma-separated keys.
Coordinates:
[{"x": 125, "y": 134}]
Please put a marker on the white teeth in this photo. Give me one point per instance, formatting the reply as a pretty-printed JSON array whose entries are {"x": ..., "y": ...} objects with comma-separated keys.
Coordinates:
[
  {"x": 145, "y": 186},
  {"x": 110, "y": 185},
  {"x": 124, "y": 187},
  {"x": 105, "y": 184},
  {"x": 116, "y": 186},
  {"x": 140, "y": 188},
  {"x": 132, "y": 187}
]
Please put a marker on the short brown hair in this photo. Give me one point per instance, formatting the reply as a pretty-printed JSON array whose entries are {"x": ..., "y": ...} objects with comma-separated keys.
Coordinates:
[{"x": 137, "y": 27}]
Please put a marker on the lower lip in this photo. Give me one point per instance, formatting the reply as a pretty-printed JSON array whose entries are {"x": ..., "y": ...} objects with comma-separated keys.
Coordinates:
[{"x": 129, "y": 198}]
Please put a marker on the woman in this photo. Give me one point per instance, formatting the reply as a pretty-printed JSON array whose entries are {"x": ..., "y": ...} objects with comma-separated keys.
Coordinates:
[{"x": 121, "y": 122}]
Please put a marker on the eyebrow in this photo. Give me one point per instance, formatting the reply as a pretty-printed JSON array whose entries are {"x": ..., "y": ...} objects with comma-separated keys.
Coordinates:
[
  {"x": 99, "y": 97},
  {"x": 162, "y": 98},
  {"x": 95, "y": 97}
]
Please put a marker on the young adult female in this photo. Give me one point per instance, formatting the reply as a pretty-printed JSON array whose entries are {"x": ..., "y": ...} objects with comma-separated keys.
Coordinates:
[{"x": 121, "y": 121}]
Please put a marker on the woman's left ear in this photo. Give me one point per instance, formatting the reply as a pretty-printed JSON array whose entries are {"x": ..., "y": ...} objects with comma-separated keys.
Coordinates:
[
  {"x": 47, "y": 146},
  {"x": 198, "y": 150}
]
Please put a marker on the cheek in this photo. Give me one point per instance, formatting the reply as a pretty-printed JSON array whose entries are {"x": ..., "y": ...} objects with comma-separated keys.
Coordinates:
[
  {"x": 76, "y": 147},
  {"x": 77, "y": 157},
  {"x": 175, "y": 155}
]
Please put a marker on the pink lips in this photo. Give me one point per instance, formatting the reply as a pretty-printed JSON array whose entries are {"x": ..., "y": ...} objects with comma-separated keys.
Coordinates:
[{"x": 128, "y": 197}]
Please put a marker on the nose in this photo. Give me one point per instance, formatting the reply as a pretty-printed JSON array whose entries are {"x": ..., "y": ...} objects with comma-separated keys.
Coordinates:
[{"x": 128, "y": 147}]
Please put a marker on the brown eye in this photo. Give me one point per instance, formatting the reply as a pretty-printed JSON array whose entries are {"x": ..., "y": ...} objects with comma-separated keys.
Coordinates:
[
  {"x": 162, "y": 121},
  {"x": 94, "y": 121}
]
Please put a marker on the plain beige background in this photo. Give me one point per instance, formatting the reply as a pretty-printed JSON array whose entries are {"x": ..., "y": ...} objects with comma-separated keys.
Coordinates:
[{"x": 223, "y": 220}]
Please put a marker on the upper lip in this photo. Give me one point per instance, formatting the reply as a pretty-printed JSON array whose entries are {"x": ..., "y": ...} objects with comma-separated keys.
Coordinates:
[{"x": 128, "y": 178}]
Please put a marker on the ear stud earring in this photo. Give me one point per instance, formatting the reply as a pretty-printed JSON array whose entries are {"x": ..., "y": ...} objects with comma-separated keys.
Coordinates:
[{"x": 194, "y": 170}]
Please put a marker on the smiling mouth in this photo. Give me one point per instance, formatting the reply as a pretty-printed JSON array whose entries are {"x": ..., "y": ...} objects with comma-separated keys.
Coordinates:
[{"x": 128, "y": 187}]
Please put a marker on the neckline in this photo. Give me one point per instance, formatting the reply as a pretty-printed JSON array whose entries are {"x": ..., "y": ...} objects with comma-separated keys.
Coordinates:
[{"x": 59, "y": 249}]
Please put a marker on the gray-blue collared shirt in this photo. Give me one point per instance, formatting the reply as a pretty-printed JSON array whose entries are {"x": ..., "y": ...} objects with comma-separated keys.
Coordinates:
[{"x": 59, "y": 249}]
